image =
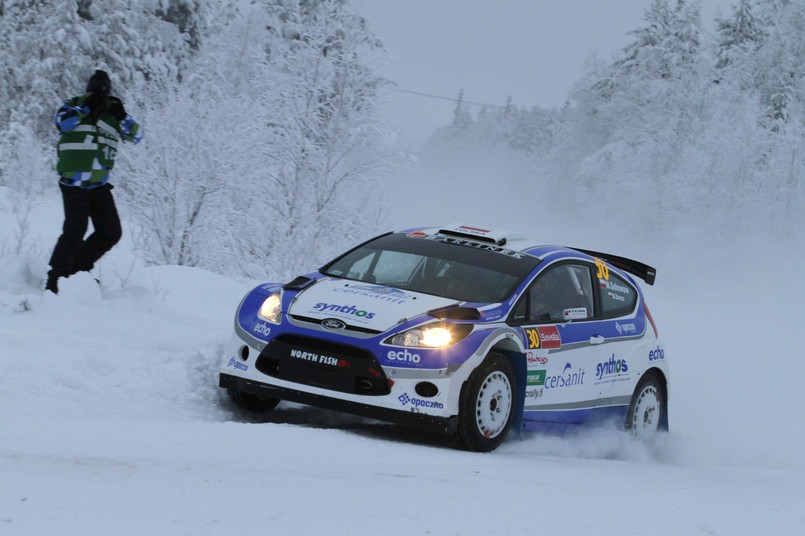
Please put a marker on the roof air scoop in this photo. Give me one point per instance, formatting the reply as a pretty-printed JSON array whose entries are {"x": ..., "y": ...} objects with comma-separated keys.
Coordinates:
[{"x": 475, "y": 233}]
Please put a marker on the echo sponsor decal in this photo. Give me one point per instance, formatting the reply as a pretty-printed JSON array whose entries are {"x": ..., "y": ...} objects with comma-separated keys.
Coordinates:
[
  {"x": 405, "y": 399},
  {"x": 404, "y": 355},
  {"x": 657, "y": 354},
  {"x": 543, "y": 337},
  {"x": 566, "y": 379},
  {"x": 350, "y": 310},
  {"x": 237, "y": 364},
  {"x": 262, "y": 328},
  {"x": 611, "y": 370}
]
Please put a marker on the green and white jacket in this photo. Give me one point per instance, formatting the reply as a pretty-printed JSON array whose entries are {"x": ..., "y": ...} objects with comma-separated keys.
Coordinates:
[{"x": 88, "y": 142}]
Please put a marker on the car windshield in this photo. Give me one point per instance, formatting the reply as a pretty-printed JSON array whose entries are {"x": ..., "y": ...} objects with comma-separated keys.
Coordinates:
[{"x": 456, "y": 268}]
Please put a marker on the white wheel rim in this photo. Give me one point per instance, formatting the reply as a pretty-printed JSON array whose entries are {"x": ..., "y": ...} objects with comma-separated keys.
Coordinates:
[
  {"x": 494, "y": 404},
  {"x": 646, "y": 416}
]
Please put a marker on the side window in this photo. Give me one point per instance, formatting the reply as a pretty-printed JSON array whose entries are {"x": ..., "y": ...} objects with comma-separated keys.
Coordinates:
[
  {"x": 560, "y": 294},
  {"x": 617, "y": 296}
]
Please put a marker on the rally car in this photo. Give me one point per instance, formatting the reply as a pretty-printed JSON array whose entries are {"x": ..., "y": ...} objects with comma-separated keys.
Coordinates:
[{"x": 459, "y": 329}]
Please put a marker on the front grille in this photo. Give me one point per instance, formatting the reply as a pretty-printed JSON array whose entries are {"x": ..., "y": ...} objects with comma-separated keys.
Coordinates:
[
  {"x": 348, "y": 327},
  {"x": 321, "y": 363}
]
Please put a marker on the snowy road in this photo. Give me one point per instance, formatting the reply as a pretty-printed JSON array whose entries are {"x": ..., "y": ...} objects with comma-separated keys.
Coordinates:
[{"x": 111, "y": 423}]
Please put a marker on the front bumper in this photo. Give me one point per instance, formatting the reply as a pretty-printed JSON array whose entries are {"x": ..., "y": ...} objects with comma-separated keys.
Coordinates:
[{"x": 445, "y": 425}]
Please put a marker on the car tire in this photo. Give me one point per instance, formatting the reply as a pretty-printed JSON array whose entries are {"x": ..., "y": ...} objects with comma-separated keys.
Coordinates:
[
  {"x": 647, "y": 408},
  {"x": 250, "y": 402},
  {"x": 487, "y": 405}
]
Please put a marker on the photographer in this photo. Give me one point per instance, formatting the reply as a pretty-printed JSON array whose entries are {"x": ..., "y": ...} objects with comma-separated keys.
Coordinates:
[{"x": 91, "y": 126}]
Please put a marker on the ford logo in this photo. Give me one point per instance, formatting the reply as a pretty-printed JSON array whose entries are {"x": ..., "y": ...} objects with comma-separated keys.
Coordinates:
[{"x": 332, "y": 323}]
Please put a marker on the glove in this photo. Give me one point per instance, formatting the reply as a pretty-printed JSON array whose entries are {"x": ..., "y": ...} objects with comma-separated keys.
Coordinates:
[
  {"x": 115, "y": 107},
  {"x": 95, "y": 101}
]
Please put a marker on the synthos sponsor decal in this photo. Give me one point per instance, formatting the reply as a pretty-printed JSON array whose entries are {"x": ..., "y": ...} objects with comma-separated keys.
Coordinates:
[
  {"x": 406, "y": 399},
  {"x": 262, "y": 328},
  {"x": 350, "y": 310},
  {"x": 323, "y": 359},
  {"x": 546, "y": 337},
  {"x": 657, "y": 354},
  {"x": 568, "y": 378},
  {"x": 611, "y": 370},
  {"x": 237, "y": 365}
]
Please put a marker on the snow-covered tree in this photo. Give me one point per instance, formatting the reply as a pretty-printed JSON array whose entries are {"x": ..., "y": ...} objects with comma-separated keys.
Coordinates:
[{"x": 272, "y": 142}]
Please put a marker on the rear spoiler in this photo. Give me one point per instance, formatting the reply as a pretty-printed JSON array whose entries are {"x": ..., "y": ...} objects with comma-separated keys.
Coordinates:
[{"x": 643, "y": 271}]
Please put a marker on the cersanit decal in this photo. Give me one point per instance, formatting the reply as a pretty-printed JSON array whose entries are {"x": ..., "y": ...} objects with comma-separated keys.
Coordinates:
[
  {"x": 566, "y": 379},
  {"x": 344, "y": 309},
  {"x": 386, "y": 294},
  {"x": 262, "y": 328},
  {"x": 611, "y": 369},
  {"x": 656, "y": 354},
  {"x": 405, "y": 399}
]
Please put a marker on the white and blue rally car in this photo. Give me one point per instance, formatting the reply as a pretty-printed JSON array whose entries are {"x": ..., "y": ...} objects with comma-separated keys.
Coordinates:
[{"x": 462, "y": 330}]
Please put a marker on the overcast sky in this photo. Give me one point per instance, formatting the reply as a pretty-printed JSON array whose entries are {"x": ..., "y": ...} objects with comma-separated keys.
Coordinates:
[{"x": 530, "y": 50}]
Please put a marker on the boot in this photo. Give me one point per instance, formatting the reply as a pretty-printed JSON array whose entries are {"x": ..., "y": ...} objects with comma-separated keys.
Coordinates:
[{"x": 52, "y": 282}]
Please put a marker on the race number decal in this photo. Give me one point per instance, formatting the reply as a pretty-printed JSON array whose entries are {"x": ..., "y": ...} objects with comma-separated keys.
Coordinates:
[
  {"x": 546, "y": 337},
  {"x": 603, "y": 271},
  {"x": 533, "y": 338}
]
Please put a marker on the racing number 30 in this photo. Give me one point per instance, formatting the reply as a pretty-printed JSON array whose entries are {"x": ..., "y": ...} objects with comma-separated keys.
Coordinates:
[
  {"x": 603, "y": 271},
  {"x": 533, "y": 338}
]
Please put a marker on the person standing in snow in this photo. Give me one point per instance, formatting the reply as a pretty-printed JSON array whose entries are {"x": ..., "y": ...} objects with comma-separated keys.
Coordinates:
[{"x": 91, "y": 125}]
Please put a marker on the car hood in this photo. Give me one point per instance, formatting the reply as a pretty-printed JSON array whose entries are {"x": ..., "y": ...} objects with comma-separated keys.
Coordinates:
[{"x": 375, "y": 307}]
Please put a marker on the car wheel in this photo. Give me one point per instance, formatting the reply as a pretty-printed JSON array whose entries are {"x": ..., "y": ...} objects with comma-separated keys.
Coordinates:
[
  {"x": 487, "y": 405},
  {"x": 646, "y": 408},
  {"x": 250, "y": 402}
]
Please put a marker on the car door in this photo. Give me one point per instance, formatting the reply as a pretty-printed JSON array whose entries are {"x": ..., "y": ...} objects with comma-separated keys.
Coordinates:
[{"x": 568, "y": 344}]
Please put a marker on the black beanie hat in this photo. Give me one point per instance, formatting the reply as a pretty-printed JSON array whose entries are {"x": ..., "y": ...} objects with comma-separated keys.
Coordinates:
[{"x": 99, "y": 83}]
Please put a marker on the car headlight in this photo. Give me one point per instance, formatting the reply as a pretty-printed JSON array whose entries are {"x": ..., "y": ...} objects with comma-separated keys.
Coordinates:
[
  {"x": 271, "y": 309},
  {"x": 431, "y": 336}
]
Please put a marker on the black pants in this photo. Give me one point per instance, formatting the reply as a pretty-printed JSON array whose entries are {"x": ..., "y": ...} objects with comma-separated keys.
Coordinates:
[{"x": 72, "y": 253}]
